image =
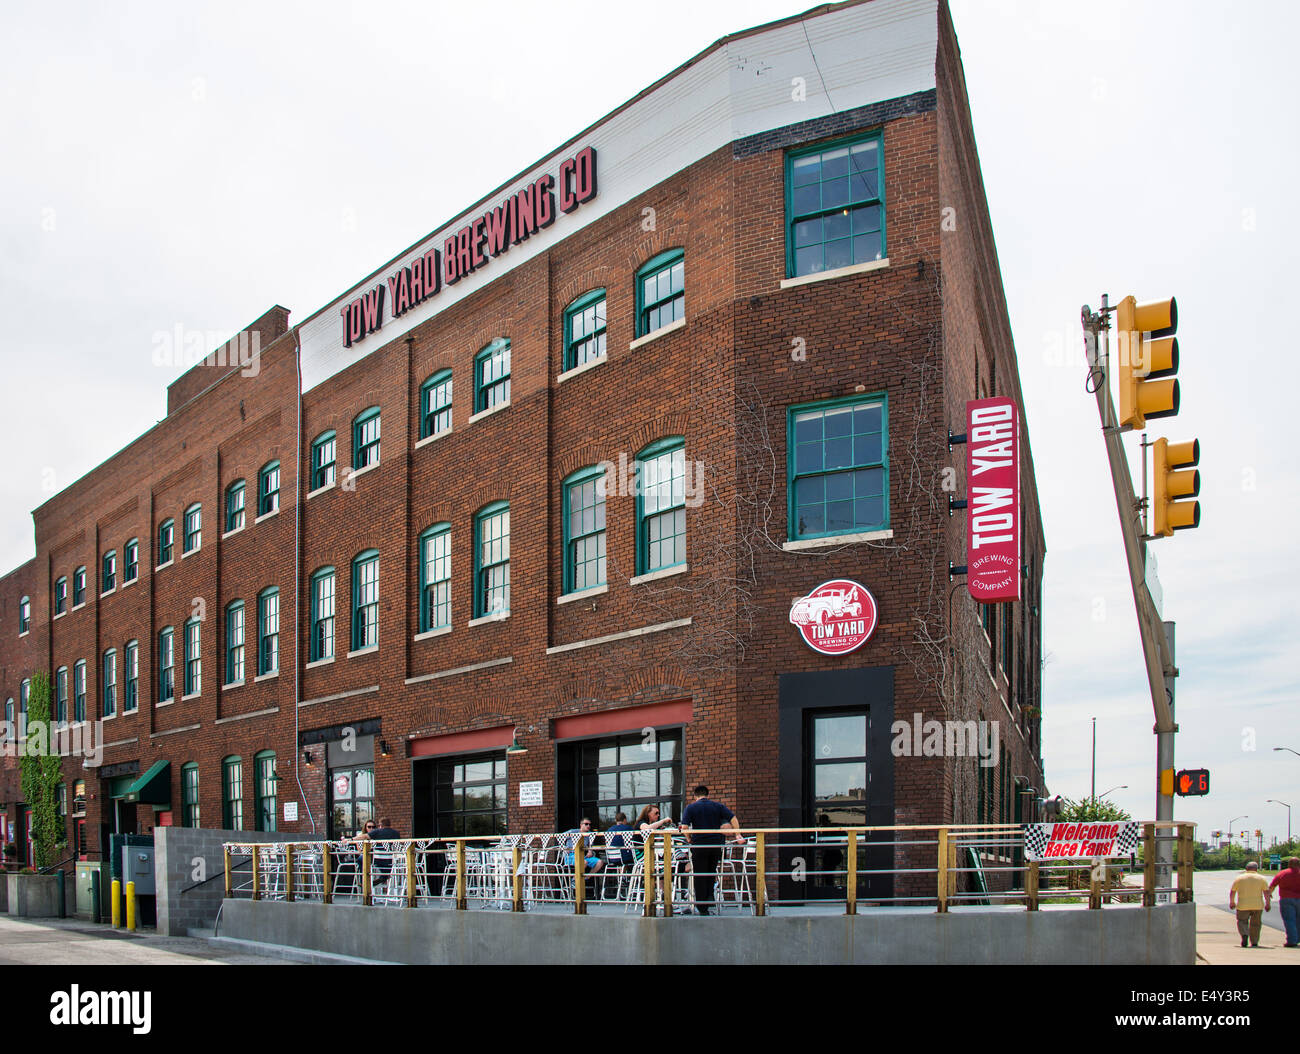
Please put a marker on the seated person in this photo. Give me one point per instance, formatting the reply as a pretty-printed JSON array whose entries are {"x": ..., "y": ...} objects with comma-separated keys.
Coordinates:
[
  {"x": 583, "y": 831},
  {"x": 617, "y": 841}
]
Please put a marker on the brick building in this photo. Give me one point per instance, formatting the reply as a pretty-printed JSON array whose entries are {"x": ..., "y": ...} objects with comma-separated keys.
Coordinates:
[{"x": 553, "y": 478}]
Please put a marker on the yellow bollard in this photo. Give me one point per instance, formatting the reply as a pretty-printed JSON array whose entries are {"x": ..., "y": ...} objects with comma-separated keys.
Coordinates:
[
  {"x": 116, "y": 903},
  {"x": 130, "y": 906}
]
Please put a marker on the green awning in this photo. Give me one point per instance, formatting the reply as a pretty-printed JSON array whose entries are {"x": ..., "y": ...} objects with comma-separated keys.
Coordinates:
[{"x": 152, "y": 788}]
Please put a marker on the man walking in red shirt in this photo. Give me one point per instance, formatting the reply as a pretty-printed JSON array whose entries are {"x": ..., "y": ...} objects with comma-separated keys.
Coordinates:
[{"x": 1287, "y": 883}]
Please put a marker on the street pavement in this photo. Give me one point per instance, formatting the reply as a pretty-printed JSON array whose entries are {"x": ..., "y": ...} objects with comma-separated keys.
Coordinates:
[{"x": 73, "y": 942}]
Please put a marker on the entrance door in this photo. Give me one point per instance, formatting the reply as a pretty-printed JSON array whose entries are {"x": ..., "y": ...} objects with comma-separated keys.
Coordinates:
[
  {"x": 352, "y": 799},
  {"x": 835, "y": 796}
]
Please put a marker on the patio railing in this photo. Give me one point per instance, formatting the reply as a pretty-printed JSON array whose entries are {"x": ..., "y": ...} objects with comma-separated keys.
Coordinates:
[{"x": 823, "y": 868}]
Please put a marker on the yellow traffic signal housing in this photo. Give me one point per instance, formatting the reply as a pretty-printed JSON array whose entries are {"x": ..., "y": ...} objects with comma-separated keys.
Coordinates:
[
  {"x": 1169, "y": 512},
  {"x": 1148, "y": 360}
]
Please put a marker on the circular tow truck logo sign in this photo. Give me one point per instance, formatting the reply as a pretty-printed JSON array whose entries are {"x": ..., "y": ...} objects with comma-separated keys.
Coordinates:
[{"x": 835, "y": 618}]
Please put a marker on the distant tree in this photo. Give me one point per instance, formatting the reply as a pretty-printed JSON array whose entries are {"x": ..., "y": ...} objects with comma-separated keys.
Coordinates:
[{"x": 1086, "y": 810}]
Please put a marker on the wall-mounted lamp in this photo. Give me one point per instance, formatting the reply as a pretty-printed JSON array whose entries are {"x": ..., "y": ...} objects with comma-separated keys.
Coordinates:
[
  {"x": 516, "y": 748},
  {"x": 306, "y": 758},
  {"x": 383, "y": 747}
]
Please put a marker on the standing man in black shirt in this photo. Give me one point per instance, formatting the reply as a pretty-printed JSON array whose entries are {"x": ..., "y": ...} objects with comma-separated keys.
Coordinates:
[{"x": 706, "y": 849}]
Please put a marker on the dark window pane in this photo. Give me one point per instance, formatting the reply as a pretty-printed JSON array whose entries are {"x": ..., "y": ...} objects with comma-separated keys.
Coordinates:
[
  {"x": 839, "y": 453},
  {"x": 807, "y": 232},
  {"x": 807, "y": 199},
  {"x": 839, "y": 515},
  {"x": 838, "y": 254},
  {"x": 836, "y": 225},
  {"x": 835, "y": 193},
  {"x": 867, "y": 449}
]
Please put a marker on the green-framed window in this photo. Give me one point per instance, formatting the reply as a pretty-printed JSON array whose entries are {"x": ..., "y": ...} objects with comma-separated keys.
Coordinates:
[
  {"x": 661, "y": 505},
  {"x": 584, "y": 530},
  {"x": 9, "y": 720},
  {"x": 61, "y": 695},
  {"x": 264, "y": 780},
  {"x": 131, "y": 677},
  {"x": 835, "y": 206},
  {"x": 78, "y": 587},
  {"x": 322, "y": 614},
  {"x": 79, "y": 691},
  {"x": 435, "y": 404},
  {"x": 24, "y": 614},
  {"x": 131, "y": 560},
  {"x": 268, "y": 631},
  {"x": 661, "y": 291},
  {"x": 109, "y": 684},
  {"x": 166, "y": 539},
  {"x": 435, "y": 577},
  {"x": 108, "y": 571},
  {"x": 235, "y": 642},
  {"x": 323, "y": 457},
  {"x": 235, "y": 494},
  {"x": 584, "y": 329},
  {"x": 193, "y": 538},
  {"x": 365, "y": 439},
  {"x": 838, "y": 467},
  {"x": 268, "y": 489},
  {"x": 365, "y": 600},
  {"x": 492, "y": 560},
  {"x": 492, "y": 375},
  {"x": 189, "y": 795},
  {"x": 24, "y": 694},
  {"x": 167, "y": 665},
  {"x": 193, "y": 660},
  {"x": 232, "y": 793},
  {"x": 61, "y": 595}
]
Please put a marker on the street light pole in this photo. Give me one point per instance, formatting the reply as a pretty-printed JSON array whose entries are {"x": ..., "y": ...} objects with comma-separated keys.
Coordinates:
[
  {"x": 1094, "y": 760},
  {"x": 1243, "y": 816},
  {"x": 1122, "y": 786},
  {"x": 1276, "y": 801}
]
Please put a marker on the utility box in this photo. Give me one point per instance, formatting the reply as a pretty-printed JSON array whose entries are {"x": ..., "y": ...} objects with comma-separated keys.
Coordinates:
[
  {"x": 86, "y": 870},
  {"x": 137, "y": 867}
]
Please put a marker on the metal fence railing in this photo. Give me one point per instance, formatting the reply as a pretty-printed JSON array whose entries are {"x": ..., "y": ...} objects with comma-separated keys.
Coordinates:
[{"x": 840, "y": 869}]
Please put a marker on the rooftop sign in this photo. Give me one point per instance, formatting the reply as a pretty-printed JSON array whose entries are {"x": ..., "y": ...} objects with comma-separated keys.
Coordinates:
[{"x": 474, "y": 245}]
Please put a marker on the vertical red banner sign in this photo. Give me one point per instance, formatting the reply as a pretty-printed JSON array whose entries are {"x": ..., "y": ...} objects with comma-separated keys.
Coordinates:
[{"x": 992, "y": 500}]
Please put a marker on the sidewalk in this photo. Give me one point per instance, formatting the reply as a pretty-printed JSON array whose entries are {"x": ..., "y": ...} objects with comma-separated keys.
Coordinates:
[{"x": 1219, "y": 944}]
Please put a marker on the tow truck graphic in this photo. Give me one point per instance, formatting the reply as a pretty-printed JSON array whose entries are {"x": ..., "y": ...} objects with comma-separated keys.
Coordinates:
[{"x": 824, "y": 606}]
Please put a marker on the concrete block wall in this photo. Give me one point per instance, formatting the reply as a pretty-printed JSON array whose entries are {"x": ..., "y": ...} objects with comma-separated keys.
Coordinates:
[{"x": 182, "y": 852}]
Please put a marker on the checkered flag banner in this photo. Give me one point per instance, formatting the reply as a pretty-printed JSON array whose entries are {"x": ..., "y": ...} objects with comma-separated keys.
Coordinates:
[{"x": 1073, "y": 841}]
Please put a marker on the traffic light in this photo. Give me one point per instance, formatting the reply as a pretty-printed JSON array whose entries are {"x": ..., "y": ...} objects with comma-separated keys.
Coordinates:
[
  {"x": 1192, "y": 782},
  {"x": 1148, "y": 360},
  {"x": 1169, "y": 512}
]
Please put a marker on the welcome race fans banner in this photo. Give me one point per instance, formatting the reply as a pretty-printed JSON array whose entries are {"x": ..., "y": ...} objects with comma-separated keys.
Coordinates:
[{"x": 1068, "y": 841}]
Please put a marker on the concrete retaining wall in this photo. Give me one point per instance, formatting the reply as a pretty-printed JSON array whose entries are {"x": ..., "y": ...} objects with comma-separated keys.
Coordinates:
[
  {"x": 33, "y": 896},
  {"x": 1162, "y": 935},
  {"x": 183, "y": 857}
]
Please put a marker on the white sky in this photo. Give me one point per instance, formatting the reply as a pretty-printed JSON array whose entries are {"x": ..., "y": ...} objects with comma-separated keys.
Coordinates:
[{"x": 193, "y": 165}]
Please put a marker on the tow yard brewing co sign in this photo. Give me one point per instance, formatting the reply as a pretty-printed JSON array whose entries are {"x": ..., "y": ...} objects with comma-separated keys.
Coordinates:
[
  {"x": 835, "y": 618},
  {"x": 992, "y": 500},
  {"x": 1071, "y": 841},
  {"x": 491, "y": 233}
]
